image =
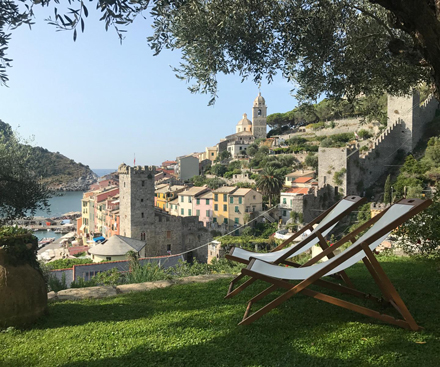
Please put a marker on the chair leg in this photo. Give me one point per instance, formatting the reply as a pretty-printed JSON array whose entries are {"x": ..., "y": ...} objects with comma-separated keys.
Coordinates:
[
  {"x": 241, "y": 287},
  {"x": 233, "y": 281},
  {"x": 258, "y": 297}
]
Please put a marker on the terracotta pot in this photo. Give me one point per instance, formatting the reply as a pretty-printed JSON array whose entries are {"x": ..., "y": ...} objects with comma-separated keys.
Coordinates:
[{"x": 23, "y": 294}]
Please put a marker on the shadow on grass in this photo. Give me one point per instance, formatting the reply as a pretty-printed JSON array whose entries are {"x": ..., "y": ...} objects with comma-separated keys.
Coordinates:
[
  {"x": 192, "y": 325},
  {"x": 413, "y": 280}
]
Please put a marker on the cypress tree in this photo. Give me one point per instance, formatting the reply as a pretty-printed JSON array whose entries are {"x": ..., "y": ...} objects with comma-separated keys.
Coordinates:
[{"x": 387, "y": 191}]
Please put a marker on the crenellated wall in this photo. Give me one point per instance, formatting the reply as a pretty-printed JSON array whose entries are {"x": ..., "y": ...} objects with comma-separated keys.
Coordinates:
[{"x": 407, "y": 119}]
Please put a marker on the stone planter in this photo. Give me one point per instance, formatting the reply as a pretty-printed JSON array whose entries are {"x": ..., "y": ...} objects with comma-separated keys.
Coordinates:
[{"x": 23, "y": 293}]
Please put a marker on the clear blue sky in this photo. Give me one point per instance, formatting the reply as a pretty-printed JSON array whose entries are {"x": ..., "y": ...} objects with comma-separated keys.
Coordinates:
[{"x": 99, "y": 102}]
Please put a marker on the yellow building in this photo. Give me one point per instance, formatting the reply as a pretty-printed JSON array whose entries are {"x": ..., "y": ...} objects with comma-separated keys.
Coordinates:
[
  {"x": 165, "y": 193},
  {"x": 220, "y": 199},
  {"x": 87, "y": 213},
  {"x": 242, "y": 203}
]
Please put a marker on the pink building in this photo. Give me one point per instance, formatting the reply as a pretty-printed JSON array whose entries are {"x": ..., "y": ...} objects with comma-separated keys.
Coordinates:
[{"x": 203, "y": 207}]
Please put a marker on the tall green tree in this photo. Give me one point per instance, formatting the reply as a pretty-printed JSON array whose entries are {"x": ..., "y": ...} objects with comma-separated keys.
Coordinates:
[
  {"x": 270, "y": 183},
  {"x": 387, "y": 191},
  {"x": 338, "y": 47},
  {"x": 21, "y": 190}
]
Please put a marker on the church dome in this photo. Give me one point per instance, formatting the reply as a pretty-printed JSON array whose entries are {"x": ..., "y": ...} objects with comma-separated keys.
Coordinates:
[
  {"x": 244, "y": 122},
  {"x": 259, "y": 101}
]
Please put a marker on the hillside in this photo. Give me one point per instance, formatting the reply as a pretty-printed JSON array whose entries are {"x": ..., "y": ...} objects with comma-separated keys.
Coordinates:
[{"x": 56, "y": 170}]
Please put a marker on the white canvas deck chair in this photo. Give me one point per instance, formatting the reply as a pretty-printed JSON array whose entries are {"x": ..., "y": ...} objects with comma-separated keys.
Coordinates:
[
  {"x": 326, "y": 222},
  {"x": 312, "y": 272}
]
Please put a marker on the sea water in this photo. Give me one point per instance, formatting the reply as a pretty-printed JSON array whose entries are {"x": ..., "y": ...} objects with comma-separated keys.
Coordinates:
[{"x": 64, "y": 202}]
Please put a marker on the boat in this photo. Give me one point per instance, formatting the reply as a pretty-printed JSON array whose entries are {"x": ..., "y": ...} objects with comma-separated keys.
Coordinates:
[
  {"x": 58, "y": 231},
  {"x": 49, "y": 230}
]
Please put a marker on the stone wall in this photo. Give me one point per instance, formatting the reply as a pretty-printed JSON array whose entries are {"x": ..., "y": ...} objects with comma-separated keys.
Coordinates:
[{"x": 88, "y": 271}]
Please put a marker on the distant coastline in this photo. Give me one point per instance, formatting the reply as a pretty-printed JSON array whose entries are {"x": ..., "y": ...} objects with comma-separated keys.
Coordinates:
[{"x": 103, "y": 171}]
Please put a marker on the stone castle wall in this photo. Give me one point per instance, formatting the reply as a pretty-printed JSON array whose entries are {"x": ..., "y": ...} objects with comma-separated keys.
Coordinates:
[{"x": 375, "y": 162}]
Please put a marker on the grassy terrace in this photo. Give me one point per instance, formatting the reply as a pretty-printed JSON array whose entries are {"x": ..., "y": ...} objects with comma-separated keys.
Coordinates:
[{"x": 191, "y": 325}]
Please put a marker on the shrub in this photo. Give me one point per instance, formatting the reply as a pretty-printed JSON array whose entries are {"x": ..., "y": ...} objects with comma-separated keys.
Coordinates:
[{"x": 364, "y": 134}]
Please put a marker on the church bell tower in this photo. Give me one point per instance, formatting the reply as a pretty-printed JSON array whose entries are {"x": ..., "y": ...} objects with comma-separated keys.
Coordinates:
[{"x": 259, "y": 118}]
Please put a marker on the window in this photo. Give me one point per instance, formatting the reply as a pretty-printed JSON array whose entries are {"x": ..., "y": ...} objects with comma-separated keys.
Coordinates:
[
  {"x": 182, "y": 212},
  {"x": 215, "y": 197},
  {"x": 198, "y": 202},
  {"x": 237, "y": 220},
  {"x": 189, "y": 211},
  {"x": 207, "y": 201},
  {"x": 225, "y": 197},
  {"x": 255, "y": 197},
  {"x": 142, "y": 200},
  {"x": 212, "y": 154},
  {"x": 259, "y": 113},
  {"x": 143, "y": 236},
  {"x": 236, "y": 209},
  {"x": 198, "y": 213},
  {"x": 284, "y": 213},
  {"x": 225, "y": 221},
  {"x": 240, "y": 200},
  {"x": 142, "y": 215},
  {"x": 189, "y": 199},
  {"x": 108, "y": 258},
  {"x": 231, "y": 200},
  {"x": 143, "y": 183},
  {"x": 225, "y": 208},
  {"x": 168, "y": 234},
  {"x": 207, "y": 213},
  {"x": 284, "y": 201},
  {"x": 214, "y": 220},
  {"x": 215, "y": 207},
  {"x": 181, "y": 199}
]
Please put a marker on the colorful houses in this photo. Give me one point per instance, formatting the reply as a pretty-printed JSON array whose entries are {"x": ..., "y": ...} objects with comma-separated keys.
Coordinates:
[
  {"x": 242, "y": 203},
  {"x": 165, "y": 193},
  {"x": 99, "y": 212},
  {"x": 220, "y": 201}
]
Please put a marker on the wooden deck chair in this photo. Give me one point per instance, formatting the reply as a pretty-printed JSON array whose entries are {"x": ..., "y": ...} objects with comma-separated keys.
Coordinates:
[
  {"x": 326, "y": 222},
  {"x": 312, "y": 272}
]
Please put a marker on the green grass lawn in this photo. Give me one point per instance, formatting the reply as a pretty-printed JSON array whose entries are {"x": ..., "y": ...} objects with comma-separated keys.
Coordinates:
[{"x": 192, "y": 325}]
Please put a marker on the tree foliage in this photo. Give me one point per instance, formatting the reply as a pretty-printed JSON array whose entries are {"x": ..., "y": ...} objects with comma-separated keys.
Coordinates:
[
  {"x": 421, "y": 234},
  {"x": 337, "y": 47},
  {"x": 21, "y": 190},
  {"x": 270, "y": 183},
  {"x": 387, "y": 191}
]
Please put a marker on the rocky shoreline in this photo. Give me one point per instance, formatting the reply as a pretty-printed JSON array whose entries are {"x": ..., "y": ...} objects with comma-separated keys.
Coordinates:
[{"x": 80, "y": 184}]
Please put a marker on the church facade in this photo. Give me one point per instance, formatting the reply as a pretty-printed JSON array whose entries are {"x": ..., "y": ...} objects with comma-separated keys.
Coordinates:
[{"x": 246, "y": 131}]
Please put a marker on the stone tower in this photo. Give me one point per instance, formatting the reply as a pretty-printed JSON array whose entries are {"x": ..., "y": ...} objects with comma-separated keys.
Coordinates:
[
  {"x": 136, "y": 195},
  {"x": 405, "y": 109},
  {"x": 259, "y": 117}
]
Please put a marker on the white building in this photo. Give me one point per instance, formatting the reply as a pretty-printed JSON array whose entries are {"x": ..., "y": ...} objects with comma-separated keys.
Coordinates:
[{"x": 187, "y": 167}]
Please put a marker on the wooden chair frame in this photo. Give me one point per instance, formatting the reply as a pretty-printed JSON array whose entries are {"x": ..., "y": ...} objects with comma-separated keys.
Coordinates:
[
  {"x": 283, "y": 259},
  {"x": 390, "y": 295}
]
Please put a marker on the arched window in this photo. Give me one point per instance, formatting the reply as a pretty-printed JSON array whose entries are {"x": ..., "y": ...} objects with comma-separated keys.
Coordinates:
[
  {"x": 143, "y": 236},
  {"x": 259, "y": 113}
]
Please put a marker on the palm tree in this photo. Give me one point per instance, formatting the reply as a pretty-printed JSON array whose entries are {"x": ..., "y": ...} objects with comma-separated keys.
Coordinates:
[{"x": 270, "y": 183}]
